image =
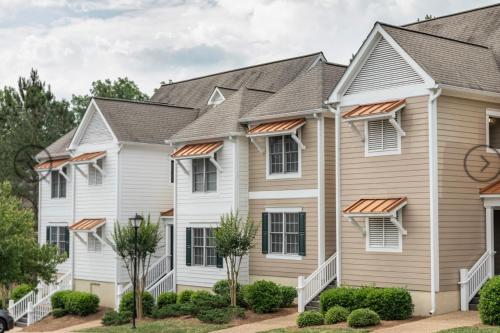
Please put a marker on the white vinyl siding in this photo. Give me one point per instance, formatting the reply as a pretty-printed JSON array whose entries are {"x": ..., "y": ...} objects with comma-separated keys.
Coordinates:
[
  {"x": 385, "y": 68},
  {"x": 382, "y": 137},
  {"x": 382, "y": 235},
  {"x": 93, "y": 244},
  {"x": 96, "y": 132},
  {"x": 95, "y": 177},
  {"x": 58, "y": 184}
]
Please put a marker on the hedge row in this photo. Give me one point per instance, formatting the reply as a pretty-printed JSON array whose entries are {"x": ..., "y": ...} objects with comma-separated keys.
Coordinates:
[{"x": 74, "y": 302}]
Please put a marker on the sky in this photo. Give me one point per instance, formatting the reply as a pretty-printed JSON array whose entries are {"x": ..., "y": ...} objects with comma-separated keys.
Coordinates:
[{"x": 74, "y": 42}]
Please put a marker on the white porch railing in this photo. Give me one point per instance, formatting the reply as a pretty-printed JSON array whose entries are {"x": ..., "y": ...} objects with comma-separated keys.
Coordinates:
[
  {"x": 32, "y": 303},
  {"x": 472, "y": 280},
  {"x": 309, "y": 288},
  {"x": 160, "y": 268},
  {"x": 165, "y": 284}
]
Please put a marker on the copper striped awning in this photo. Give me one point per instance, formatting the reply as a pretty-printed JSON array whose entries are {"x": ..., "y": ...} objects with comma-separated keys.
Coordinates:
[
  {"x": 167, "y": 213},
  {"x": 87, "y": 225},
  {"x": 88, "y": 157},
  {"x": 276, "y": 127},
  {"x": 375, "y": 206},
  {"x": 374, "y": 109},
  {"x": 51, "y": 164},
  {"x": 197, "y": 150},
  {"x": 491, "y": 189}
]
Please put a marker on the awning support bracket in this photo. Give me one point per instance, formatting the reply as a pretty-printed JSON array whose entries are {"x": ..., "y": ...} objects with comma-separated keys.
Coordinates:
[
  {"x": 214, "y": 162},
  {"x": 396, "y": 126},
  {"x": 259, "y": 148},
  {"x": 398, "y": 225},
  {"x": 357, "y": 225},
  {"x": 296, "y": 139},
  {"x": 61, "y": 172},
  {"x": 80, "y": 238},
  {"x": 77, "y": 167},
  {"x": 353, "y": 127},
  {"x": 179, "y": 163},
  {"x": 98, "y": 168}
]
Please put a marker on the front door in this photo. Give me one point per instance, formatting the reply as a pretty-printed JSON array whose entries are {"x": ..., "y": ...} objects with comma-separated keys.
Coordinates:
[{"x": 496, "y": 240}]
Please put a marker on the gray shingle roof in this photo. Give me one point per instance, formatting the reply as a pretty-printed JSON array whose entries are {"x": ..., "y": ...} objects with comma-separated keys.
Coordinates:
[
  {"x": 448, "y": 61},
  {"x": 222, "y": 120},
  {"x": 59, "y": 147},
  {"x": 270, "y": 77},
  {"x": 144, "y": 122},
  {"x": 307, "y": 92}
]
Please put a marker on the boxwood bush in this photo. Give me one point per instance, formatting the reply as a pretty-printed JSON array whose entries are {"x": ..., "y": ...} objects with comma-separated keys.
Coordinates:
[
  {"x": 288, "y": 295},
  {"x": 220, "y": 316},
  {"x": 336, "y": 314},
  {"x": 221, "y": 288},
  {"x": 112, "y": 318},
  {"x": 263, "y": 296},
  {"x": 58, "y": 313},
  {"x": 58, "y": 298},
  {"x": 184, "y": 296},
  {"x": 174, "y": 310},
  {"x": 310, "y": 318},
  {"x": 363, "y": 318},
  {"x": 166, "y": 298},
  {"x": 81, "y": 303},
  {"x": 205, "y": 300},
  {"x": 127, "y": 303},
  {"x": 349, "y": 298},
  {"x": 489, "y": 302},
  {"x": 389, "y": 303},
  {"x": 20, "y": 291}
]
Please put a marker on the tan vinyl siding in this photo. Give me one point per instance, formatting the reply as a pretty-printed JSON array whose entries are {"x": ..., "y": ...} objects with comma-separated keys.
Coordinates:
[
  {"x": 257, "y": 161},
  {"x": 389, "y": 176},
  {"x": 260, "y": 265},
  {"x": 329, "y": 187},
  {"x": 461, "y": 126}
]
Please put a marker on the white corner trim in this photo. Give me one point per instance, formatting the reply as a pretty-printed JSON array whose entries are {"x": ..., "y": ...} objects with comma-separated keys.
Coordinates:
[
  {"x": 284, "y": 194},
  {"x": 283, "y": 209},
  {"x": 320, "y": 122},
  {"x": 277, "y": 256}
]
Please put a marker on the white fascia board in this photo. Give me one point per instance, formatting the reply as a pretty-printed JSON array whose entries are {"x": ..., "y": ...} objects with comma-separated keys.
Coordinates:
[
  {"x": 363, "y": 54},
  {"x": 85, "y": 122},
  {"x": 469, "y": 93},
  {"x": 385, "y": 94},
  {"x": 282, "y": 116},
  {"x": 201, "y": 139}
]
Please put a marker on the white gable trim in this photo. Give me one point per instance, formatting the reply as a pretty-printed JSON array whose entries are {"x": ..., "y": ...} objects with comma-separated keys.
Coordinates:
[
  {"x": 357, "y": 64},
  {"x": 80, "y": 131},
  {"x": 212, "y": 101}
]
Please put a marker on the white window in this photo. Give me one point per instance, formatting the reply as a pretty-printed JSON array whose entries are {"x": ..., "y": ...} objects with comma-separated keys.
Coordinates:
[
  {"x": 283, "y": 157},
  {"x": 204, "y": 175},
  {"x": 204, "y": 253},
  {"x": 382, "y": 235},
  {"x": 58, "y": 236},
  {"x": 284, "y": 233},
  {"x": 95, "y": 176},
  {"x": 58, "y": 184},
  {"x": 493, "y": 130},
  {"x": 93, "y": 243},
  {"x": 382, "y": 138}
]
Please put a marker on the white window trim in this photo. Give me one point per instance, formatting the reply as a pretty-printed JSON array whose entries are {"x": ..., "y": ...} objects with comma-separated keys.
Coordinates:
[
  {"x": 383, "y": 152},
  {"x": 204, "y": 248},
  {"x": 282, "y": 256},
  {"x": 381, "y": 249},
  {"x": 290, "y": 175},
  {"x": 59, "y": 225},
  {"x": 98, "y": 239},
  {"x": 496, "y": 114},
  {"x": 201, "y": 193},
  {"x": 213, "y": 100}
]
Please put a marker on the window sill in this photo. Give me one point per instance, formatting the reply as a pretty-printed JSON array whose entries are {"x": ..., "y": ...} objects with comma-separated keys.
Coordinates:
[
  {"x": 384, "y": 250},
  {"x": 493, "y": 150},
  {"x": 283, "y": 176},
  {"x": 382, "y": 153},
  {"x": 283, "y": 256}
]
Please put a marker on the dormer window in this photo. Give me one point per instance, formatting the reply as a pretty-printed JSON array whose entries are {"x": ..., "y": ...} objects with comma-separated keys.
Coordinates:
[{"x": 216, "y": 98}]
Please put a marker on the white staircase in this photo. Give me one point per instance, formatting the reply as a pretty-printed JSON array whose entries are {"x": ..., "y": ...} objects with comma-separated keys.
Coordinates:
[
  {"x": 472, "y": 280},
  {"x": 36, "y": 304},
  {"x": 310, "y": 287},
  {"x": 158, "y": 280}
]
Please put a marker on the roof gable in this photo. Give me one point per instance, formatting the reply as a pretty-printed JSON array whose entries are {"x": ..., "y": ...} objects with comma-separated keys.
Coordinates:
[{"x": 93, "y": 128}]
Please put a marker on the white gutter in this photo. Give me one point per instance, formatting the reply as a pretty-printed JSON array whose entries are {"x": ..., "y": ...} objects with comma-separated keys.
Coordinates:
[
  {"x": 73, "y": 213},
  {"x": 282, "y": 115},
  {"x": 202, "y": 138},
  {"x": 433, "y": 194}
]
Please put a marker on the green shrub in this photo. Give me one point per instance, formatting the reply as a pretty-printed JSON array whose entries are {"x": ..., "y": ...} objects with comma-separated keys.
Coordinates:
[
  {"x": 220, "y": 316},
  {"x": 363, "y": 318},
  {"x": 336, "y": 314},
  {"x": 174, "y": 310},
  {"x": 127, "y": 303},
  {"x": 166, "y": 298},
  {"x": 263, "y": 296},
  {"x": 20, "y": 291},
  {"x": 58, "y": 299},
  {"x": 112, "y": 318},
  {"x": 221, "y": 288},
  {"x": 390, "y": 303},
  {"x": 489, "y": 302},
  {"x": 184, "y": 296},
  {"x": 81, "y": 303},
  {"x": 58, "y": 313},
  {"x": 205, "y": 300},
  {"x": 288, "y": 295},
  {"x": 310, "y": 318}
]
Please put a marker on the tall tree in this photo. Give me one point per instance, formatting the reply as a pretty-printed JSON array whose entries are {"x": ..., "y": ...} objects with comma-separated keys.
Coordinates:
[
  {"x": 22, "y": 260},
  {"x": 30, "y": 118},
  {"x": 120, "y": 88}
]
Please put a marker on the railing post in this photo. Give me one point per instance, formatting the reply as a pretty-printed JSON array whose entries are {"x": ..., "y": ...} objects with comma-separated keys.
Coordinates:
[
  {"x": 11, "y": 303},
  {"x": 300, "y": 294},
  {"x": 464, "y": 290},
  {"x": 119, "y": 291},
  {"x": 31, "y": 320}
]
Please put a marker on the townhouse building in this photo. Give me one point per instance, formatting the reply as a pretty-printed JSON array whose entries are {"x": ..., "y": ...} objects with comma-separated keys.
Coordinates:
[{"x": 384, "y": 172}]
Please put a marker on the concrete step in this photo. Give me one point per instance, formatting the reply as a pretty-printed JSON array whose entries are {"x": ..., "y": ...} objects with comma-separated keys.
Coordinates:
[{"x": 23, "y": 321}]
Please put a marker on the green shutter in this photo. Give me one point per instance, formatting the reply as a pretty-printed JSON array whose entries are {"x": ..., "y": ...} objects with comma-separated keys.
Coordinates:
[
  {"x": 47, "y": 235},
  {"x": 220, "y": 261},
  {"x": 302, "y": 234},
  {"x": 265, "y": 233},
  {"x": 66, "y": 238},
  {"x": 188, "y": 246}
]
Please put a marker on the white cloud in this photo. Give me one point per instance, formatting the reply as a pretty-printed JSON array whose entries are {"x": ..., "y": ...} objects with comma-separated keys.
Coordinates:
[{"x": 73, "y": 43}]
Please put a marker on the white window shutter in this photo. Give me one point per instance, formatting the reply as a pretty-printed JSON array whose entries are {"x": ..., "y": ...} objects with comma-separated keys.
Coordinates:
[
  {"x": 383, "y": 234},
  {"x": 382, "y": 136}
]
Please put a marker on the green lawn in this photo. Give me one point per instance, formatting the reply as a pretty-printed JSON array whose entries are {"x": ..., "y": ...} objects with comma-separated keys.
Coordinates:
[
  {"x": 315, "y": 330},
  {"x": 473, "y": 330},
  {"x": 161, "y": 326}
]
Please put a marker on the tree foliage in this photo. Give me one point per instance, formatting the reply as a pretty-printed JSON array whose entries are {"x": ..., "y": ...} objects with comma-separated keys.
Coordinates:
[
  {"x": 234, "y": 239},
  {"x": 120, "y": 88},
  {"x": 22, "y": 260},
  {"x": 148, "y": 240}
]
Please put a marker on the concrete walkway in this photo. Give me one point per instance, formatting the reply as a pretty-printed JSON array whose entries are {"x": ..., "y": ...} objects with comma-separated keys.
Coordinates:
[
  {"x": 265, "y": 325},
  {"x": 436, "y": 323}
]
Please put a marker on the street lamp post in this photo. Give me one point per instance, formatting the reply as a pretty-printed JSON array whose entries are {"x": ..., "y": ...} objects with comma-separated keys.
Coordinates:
[{"x": 136, "y": 222}]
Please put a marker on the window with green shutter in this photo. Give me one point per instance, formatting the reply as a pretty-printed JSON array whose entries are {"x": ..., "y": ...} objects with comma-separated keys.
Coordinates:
[
  {"x": 58, "y": 236},
  {"x": 283, "y": 233}
]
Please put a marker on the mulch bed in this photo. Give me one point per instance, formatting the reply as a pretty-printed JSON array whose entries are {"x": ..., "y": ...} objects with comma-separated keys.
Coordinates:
[{"x": 50, "y": 323}]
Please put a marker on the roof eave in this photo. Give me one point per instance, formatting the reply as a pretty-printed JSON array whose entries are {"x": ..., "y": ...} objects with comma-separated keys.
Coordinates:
[
  {"x": 282, "y": 115},
  {"x": 201, "y": 138}
]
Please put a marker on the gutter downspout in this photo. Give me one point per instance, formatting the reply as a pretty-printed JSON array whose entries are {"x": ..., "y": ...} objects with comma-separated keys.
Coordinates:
[
  {"x": 338, "y": 215},
  {"x": 73, "y": 217},
  {"x": 435, "y": 92}
]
